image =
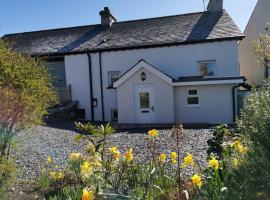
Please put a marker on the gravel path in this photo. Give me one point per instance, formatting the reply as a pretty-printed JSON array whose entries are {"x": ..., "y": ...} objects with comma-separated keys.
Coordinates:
[{"x": 37, "y": 143}]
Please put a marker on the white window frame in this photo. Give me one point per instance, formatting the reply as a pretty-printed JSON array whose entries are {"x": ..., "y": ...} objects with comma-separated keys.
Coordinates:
[
  {"x": 110, "y": 73},
  {"x": 193, "y": 95},
  {"x": 206, "y": 61}
]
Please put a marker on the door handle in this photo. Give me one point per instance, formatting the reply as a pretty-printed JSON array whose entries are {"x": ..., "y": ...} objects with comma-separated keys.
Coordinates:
[{"x": 152, "y": 108}]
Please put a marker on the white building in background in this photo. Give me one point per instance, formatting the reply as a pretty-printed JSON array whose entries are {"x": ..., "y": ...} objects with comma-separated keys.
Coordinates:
[
  {"x": 259, "y": 23},
  {"x": 181, "y": 68}
]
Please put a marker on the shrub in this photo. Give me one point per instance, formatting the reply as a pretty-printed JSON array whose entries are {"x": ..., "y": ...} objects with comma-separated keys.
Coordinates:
[
  {"x": 7, "y": 175},
  {"x": 25, "y": 83}
]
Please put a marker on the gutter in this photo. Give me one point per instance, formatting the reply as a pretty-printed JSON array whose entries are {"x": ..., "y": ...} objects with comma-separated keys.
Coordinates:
[
  {"x": 91, "y": 87},
  {"x": 101, "y": 86}
]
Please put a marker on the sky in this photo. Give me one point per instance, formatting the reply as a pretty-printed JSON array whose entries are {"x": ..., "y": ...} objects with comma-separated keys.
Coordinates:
[{"x": 31, "y": 15}]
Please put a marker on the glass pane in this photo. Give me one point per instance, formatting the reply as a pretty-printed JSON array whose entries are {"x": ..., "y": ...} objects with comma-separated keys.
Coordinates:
[
  {"x": 193, "y": 100},
  {"x": 113, "y": 76},
  {"x": 144, "y": 100},
  {"x": 192, "y": 92},
  {"x": 206, "y": 69}
]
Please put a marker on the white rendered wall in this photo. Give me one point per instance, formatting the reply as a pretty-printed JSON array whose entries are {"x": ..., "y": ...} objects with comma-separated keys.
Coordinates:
[
  {"x": 249, "y": 66},
  {"x": 215, "y": 104},
  {"x": 163, "y": 99},
  {"x": 77, "y": 74},
  {"x": 174, "y": 61}
]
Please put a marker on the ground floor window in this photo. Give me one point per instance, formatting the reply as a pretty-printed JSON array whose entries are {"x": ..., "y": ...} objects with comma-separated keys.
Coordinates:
[{"x": 192, "y": 97}]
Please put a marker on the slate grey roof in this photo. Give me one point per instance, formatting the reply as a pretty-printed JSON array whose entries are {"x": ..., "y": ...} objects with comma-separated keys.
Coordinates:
[{"x": 162, "y": 31}]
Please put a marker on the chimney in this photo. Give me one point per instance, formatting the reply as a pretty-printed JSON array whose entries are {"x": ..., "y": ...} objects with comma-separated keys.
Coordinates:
[
  {"x": 107, "y": 19},
  {"x": 215, "y": 5}
]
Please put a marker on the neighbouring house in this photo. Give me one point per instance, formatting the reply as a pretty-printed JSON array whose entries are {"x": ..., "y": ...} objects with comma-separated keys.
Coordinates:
[
  {"x": 259, "y": 23},
  {"x": 181, "y": 68}
]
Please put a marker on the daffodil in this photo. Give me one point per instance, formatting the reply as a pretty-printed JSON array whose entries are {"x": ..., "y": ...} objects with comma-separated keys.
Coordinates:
[
  {"x": 49, "y": 159},
  {"x": 113, "y": 150},
  {"x": 53, "y": 174},
  {"x": 173, "y": 157},
  {"x": 196, "y": 180},
  {"x": 86, "y": 169},
  {"x": 239, "y": 147},
  {"x": 116, "y": 155},
  {"x": 153, "y": 133},
  {"x": 188, "y": 160},
  {"x": 162, "y": 158},
  {"x": 88, "y": 195},
  {"x": 128, "y": 155},
  {"x": 213, "y": 163},
  {"x": 60, "y": 175}
]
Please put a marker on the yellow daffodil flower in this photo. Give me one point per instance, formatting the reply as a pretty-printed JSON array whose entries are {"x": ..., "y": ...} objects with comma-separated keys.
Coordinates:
[
  {"x": 116, "y": 155},
  {"x": 162, "y": 158},
  {"x": 113, "y": 150},
  {"x": 86, "y": 169},
  {"x": 49, "y": 159},
  {"x": 153, "y": 133},
  {"x": 173, "y": 157},
  {"x": 88, "y": 195},
  {"x": 188, "y": 160},
  {"x": 196, "y": 180},
  {"x": 53, "y": 174},
  {"x": 128, "y": 155},
  {"x": 239, "y": 147},
  {"x": 213, "y": 163},
  {"x": 60, "y": 175}
]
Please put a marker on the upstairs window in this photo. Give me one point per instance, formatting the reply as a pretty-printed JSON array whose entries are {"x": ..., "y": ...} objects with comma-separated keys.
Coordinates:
[
  {"x": 207, "y": 68},
  {"x": 192, "y": 97},
  {"x": 113, "y": 77}
]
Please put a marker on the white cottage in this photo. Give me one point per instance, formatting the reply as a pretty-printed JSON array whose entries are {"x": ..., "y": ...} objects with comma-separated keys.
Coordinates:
[{"x": 181, "y": 68}]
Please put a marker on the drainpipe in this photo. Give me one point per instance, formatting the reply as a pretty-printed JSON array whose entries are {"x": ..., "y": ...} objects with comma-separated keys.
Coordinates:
[
  {"x": 91, "y": 86},
  {"x": 233, "y": 101},
  {"x": 101, "y": 86}
]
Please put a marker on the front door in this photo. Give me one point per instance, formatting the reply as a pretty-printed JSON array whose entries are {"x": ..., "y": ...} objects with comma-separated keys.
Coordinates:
[{"x": 144, "y": 104}]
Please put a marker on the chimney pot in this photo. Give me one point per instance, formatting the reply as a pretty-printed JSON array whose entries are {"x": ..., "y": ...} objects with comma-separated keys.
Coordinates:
[
  {"x": 107, "y": 19},
  {"x": 215, "y": 5}
]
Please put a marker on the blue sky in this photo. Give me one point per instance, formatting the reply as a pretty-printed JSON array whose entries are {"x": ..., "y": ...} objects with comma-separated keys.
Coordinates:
[{"x": 31, "y": 15}]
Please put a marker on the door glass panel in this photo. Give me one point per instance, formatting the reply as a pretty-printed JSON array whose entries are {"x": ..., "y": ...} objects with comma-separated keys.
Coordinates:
[{"x": 144, "y": 100}]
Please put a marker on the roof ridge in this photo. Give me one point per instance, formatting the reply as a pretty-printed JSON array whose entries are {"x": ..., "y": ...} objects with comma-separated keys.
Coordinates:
[{"x": 89, "y": 25}]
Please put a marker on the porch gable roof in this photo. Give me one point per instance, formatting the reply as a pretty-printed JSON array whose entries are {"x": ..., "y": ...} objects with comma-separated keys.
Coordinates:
[{"x": 143, "y": 64}]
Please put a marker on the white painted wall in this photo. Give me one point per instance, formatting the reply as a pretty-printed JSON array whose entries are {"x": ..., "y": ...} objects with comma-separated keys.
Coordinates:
[
  {"x": 174, "y": 61},
  {"x": 77, "y": 74},
  {"x": 215, "y": 104},
  {"x": 163, "y": 98},
  {"x": 256, "y": 25}
]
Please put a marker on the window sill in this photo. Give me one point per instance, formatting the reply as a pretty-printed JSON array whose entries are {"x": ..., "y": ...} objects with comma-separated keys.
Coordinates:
[{"x": 193, "y": 106}]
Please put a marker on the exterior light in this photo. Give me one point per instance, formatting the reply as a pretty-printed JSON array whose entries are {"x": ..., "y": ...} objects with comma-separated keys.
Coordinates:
[
  {"x": 143, "y": 76},
  {"x": 94, "y": 102}
]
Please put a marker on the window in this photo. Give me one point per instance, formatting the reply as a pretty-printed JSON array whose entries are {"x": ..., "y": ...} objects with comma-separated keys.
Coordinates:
[
  {"x": 206, "y": 68},
  {"x": 114, "y": 115},
  {"x": 113, "y": 77},
  {"x": 192, "y": 97},
  {"x": 144, "y": 100}
]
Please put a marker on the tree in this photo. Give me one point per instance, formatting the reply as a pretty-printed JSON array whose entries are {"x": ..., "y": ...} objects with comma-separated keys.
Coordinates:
[
  {"x": 262, "y": 51},
  {"x": 25, "y": 88}
]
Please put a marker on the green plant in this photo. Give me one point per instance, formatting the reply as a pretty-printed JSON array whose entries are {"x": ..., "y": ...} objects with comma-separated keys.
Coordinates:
[
  {"x": 97, "y": 135},
  {"x": 7, "y": 175},
  {"x": 216, "y": 142},
  {"x": 25, "y": 87}
]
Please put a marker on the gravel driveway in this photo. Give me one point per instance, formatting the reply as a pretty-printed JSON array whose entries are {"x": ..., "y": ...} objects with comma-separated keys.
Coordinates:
[{"x": 37, "y": 143}]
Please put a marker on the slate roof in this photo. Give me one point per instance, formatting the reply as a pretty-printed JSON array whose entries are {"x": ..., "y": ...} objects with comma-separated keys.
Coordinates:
[{"x": 153, "y": 32}]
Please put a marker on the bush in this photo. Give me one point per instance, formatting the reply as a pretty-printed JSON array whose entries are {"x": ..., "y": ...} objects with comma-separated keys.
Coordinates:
[
  {"x": 25, "y": 85},
  {"x": 7, "y": 175}
]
